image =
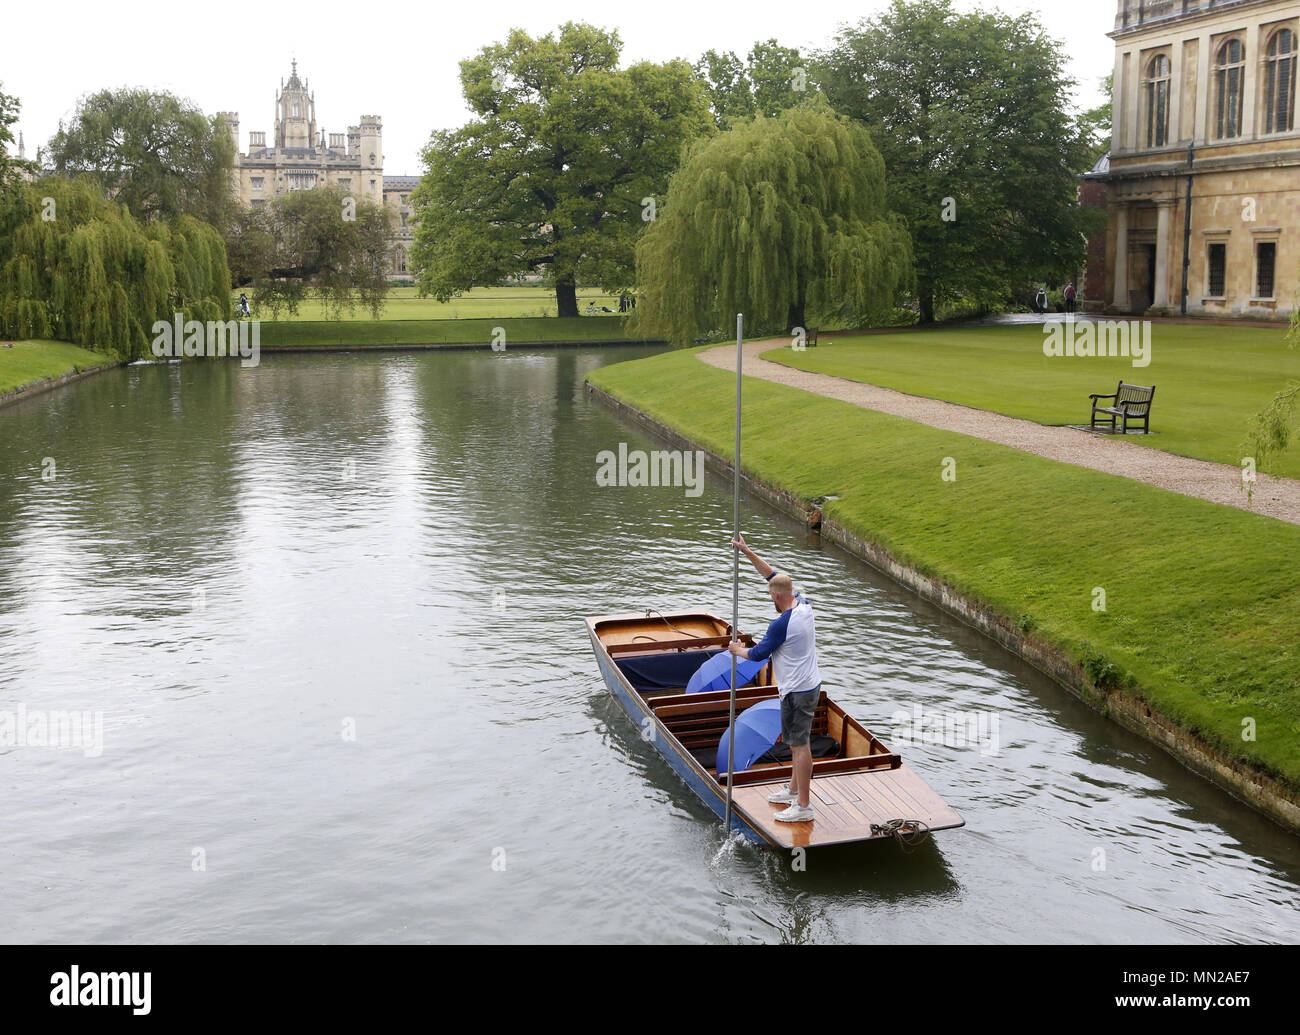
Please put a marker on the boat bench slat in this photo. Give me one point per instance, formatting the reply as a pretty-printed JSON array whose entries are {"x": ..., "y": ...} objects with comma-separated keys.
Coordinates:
[
  {"x": 689, "y": 704},
  {"x": 681, "y": 644},
  {"x": 696, "y": 732},
  {"x": 704, "y": 737}
]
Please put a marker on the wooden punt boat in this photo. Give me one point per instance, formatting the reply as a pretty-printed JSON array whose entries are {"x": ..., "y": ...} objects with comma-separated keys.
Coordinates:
[{"x": 646, "y": 661}]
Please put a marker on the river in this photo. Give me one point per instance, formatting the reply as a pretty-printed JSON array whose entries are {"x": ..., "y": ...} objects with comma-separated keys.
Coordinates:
[{"x": 329, "y": 610}]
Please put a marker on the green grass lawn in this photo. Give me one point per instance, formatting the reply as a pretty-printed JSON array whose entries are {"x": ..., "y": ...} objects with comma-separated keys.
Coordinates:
[
  {"x": 1210, "y": 381},
  {"x": 526, "y": 313},
  {"x": 479, "y": 303},
  {"x": 432, "y": 332},
  {"x": 1203, "y": 603},
  {"x": 30, "y": 361}
]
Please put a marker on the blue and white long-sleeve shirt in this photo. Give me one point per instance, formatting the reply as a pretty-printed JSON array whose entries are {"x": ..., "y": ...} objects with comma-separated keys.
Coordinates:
[{"x": 791, "y": 643}]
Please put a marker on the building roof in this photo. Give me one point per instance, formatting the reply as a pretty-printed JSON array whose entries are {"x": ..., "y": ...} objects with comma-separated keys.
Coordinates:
[
  {"x": 401, "y": 182},
  {"x": 1101, "y": 169}
]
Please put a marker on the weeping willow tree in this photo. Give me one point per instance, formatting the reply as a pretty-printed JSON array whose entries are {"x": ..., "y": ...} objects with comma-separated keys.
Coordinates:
[
  {"x": 779, "y": 218},
  {"x": 79, "y": 268}
]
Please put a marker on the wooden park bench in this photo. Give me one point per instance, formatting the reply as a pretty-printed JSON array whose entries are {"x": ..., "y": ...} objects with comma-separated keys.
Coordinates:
[
  {"x": 810, "y": 340},
  {"x": 1132, "y": 402}
]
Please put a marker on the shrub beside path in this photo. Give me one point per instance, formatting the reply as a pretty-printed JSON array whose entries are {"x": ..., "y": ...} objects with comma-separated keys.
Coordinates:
[{"x": 1219, "y": 483}]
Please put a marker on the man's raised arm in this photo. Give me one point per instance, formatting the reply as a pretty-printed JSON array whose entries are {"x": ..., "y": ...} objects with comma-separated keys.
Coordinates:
[{"x": 760, "y": 565}]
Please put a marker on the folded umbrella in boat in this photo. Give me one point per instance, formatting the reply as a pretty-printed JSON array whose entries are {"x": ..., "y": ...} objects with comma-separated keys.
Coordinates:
[
  {"x": 715, "y": 674},
  {"x": 757, "y": 729}
]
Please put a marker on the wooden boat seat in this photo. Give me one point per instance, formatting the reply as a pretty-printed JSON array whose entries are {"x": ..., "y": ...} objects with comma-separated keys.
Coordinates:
[
  {"x": 700, "y": 724},
  {"x": 649, "y": 645},
  {"x": 669, "y": 707},
  {"x": 822, "y": 747}
]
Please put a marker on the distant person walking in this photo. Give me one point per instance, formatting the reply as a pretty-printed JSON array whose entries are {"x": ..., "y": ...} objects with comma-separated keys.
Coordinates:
[
  {"x": 1070, "y": 296},
  {"x": 243, "y": 304},
  {"x": 1040, "y": 301}
]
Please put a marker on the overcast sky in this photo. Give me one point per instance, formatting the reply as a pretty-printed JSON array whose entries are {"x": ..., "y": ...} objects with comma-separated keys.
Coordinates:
[{"x": 399, "y": 61}]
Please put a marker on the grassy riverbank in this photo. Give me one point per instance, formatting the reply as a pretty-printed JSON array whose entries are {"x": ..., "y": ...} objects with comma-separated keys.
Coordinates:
[
  {"x": 301, "y": 333},
  {"x": 404, "y": 303},
  {"x": 31, "y": 361},
  {"x": 526, "y": 313},
  {"x": 1210, "y": 381},
  {"x": 1202, "y": 617}
]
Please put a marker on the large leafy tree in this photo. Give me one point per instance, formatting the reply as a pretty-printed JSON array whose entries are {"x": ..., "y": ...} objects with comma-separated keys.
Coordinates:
[
  {"x": 552, "y": 171},
  {"x": 971, "y": 113},
  {"x": 778, "y": 218},
  {"x": 772, "y": 79},
  {"x": 726, "y": 81},
  {"x": 778, "y": 75},
  {"x": 156, "y": 154},
  {"x": 319, "y": 241}
]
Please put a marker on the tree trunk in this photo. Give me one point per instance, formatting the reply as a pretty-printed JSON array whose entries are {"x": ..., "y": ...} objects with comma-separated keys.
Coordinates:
[
  {"x": 566, "y": 295},
  {"x": 926, "y": 300},
  {"x": 796, "y": 317}
]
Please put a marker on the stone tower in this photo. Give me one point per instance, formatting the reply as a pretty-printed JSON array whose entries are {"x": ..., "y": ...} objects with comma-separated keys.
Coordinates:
[{"x": 295, "y": 113}]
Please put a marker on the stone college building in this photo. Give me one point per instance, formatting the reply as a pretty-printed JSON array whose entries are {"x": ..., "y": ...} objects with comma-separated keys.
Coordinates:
[
  {"x": 300, "y": 157},
  {"x": 1204, "y": 101}
]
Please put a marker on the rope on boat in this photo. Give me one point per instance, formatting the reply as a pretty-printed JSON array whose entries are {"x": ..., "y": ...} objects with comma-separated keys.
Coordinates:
[
  {"x": 655, "y": 611},
  {"x": 909, "y": 833}
]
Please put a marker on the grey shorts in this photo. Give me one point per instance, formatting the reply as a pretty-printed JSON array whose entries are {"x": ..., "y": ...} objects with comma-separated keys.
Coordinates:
[{"x": 797, "y": 711}]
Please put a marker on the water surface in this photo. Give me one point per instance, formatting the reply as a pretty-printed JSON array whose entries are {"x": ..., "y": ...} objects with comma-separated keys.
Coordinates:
[{"x": 331, "y": 611}]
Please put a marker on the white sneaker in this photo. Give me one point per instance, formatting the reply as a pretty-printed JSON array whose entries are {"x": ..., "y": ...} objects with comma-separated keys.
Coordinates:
[
  {"x": 784, "y": 796},
  {"x": 794, "y": 814}
]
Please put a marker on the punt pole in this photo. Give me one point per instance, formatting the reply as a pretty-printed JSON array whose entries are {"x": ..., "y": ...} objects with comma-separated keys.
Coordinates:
[{"x": 735, "y": 580}]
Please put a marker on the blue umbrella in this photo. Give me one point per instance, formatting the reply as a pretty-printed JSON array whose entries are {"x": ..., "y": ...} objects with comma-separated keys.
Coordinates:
[
  {"x": 757, "y": 729},
  {"x": 715, "y": 674}
]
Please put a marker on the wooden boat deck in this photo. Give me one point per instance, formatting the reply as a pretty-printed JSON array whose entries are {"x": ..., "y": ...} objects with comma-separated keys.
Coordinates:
[{"x": 846, "y": 805}]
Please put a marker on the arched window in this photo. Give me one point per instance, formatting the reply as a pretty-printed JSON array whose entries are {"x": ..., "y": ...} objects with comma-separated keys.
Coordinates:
[
  {"x": 1157, "y": 89},
  {"x": 1279, "y": 95},
  {"x": 1229, "y": 70}
]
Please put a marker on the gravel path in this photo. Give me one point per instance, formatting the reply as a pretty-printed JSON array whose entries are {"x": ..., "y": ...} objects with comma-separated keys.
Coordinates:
[{"x": 1219, "y": 483}]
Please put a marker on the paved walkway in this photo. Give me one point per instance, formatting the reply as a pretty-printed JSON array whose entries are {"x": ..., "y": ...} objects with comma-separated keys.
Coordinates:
[{"x": 1218, "y": 483}]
